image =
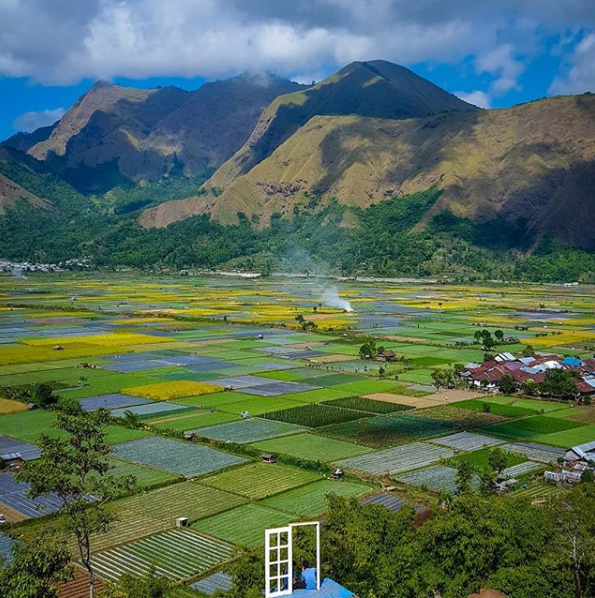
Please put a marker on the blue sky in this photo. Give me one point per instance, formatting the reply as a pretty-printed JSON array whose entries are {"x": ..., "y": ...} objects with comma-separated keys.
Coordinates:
[{"x": 493, "y": 53}]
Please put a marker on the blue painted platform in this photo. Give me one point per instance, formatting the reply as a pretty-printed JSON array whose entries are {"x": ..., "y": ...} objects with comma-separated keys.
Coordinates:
[{"x": 328, "y": 589}]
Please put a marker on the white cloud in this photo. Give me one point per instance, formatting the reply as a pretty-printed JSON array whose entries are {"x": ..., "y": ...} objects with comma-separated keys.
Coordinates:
[
  {"x": 62, "y": 41},
  {"x": 478, "y": 98},
  {"x": 501, "y": 63},
  {"x": 29, "y": 121},
  {"x": 580, "y": 76}
]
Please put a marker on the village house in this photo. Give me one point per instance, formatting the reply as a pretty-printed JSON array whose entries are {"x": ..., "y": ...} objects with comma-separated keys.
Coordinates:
[{"x": 489, "y": 373}]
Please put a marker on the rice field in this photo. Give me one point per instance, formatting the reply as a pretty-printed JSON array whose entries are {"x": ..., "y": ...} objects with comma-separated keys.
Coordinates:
[
  {"x": 176, "y": 389},
  {"x": 159, "y": 347},
  {"x": 176, "y": 554},
  {"x": 379, "y": 432},
  {"x": 315, "y": 415},
  {"x": 249, "y": 430},
  {"x": 310, "y": 500},
  {"x": 312, "y": 448},
  {"x": 397, "y": 460},
  {"x": 175, "y": 456},
  {"x": 259, "y": 480},
  {"x": 245, "y": 525},
  {"x": 437, "y": 478}
]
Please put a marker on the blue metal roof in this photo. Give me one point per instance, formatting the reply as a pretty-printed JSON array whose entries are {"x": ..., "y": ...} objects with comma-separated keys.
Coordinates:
[{"x": 572, "y": 361}]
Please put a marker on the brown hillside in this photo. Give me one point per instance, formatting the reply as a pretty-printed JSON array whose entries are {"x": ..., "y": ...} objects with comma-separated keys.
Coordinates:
[
  {"x": 535, "y": 161},
  {"x": 377, "y": 89},
  {"x": 11, "y": 193},
  {"x": 114, "y": 134}
]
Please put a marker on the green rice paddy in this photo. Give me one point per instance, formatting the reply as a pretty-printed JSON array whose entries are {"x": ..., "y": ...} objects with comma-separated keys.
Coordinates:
[{"x": 167, "y": 332}]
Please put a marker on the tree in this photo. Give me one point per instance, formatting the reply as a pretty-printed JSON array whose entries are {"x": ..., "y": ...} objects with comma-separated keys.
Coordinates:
[
  {"x": 368, "y": 350},
  {"x": 465, "y": 473},
  {"x": 507, "y": 384},
  {"x": 133, "y": 586},
  {"x": 528, "y": 351},
  {"x": 530, "y": 387},
  {"x": 576, "y": 535},
  {"x": 76, "y": 467},
  {"x": 36, "y": 569},
  {"x": 44, "y": 395},
  {"x": 497, "y": 460},
  {"x": 499, "y": 335},
  {"x": 559, "y": 383}
]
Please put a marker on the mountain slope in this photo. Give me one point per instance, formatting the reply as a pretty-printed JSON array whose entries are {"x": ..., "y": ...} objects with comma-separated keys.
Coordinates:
[
  {"x": 534, "y": 161},
  {"x": 11, "y": 191},
  {"x": 376, "y": 89},
  {"x": 116, "y": 134}
]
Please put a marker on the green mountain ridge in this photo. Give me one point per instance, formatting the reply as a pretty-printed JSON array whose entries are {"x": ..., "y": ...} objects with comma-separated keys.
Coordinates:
[{"x": 373, "y": 171}]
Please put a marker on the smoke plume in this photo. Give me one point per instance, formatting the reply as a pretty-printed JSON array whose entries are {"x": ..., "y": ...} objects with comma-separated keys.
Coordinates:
[{"x": 330, "y": 297}]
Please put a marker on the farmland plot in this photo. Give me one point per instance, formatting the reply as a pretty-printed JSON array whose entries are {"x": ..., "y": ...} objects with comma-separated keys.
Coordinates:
[
  {"x": 259, "y": 480},
  {"x": 249, "y": 430},
  {"x": 535, "y": 451},
  {"x": 111, "y": 401},
  {"x": 176, "y": 554},
  {"x": 388, "y": 431},
  {"x": 144, "y": 514},
  {"x": 367, "y": 405},
  {"x": 14, "y": 495},
  {"x": 398, "y": 459},
  {"x": 467, "y": 441},
  {"x": 177, "y": 457},
  {"x": 310, "y": 500},
  {"x": 27, "y": 451},
  {"x": 6, "y": 544},
  {"x": 521, "y": 469},
  {"x": 437, "y": 478},
  {"x": 312, "y": 447},
  {"x": 315, "y": 415},
  {"x": 245, "y": 525}
]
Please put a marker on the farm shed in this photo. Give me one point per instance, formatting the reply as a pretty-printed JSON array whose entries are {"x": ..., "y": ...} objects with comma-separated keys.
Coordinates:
[{"x": 584, "y": 452}]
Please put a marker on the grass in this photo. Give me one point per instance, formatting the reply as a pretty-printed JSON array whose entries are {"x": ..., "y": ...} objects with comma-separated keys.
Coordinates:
[
  {"x": 568, "y": 438},
  {"x": 193, "y": 421},
  {"x": 315, "y": 415},
  {"x": 310, "y": 500},
  {"x": 243, "y": 526},
  {"x": 29, "y": 425},
  {"x": 259, "y": 480},
  {"x": 529, "y": 427},
  {"x": 495, "y": 408},
  {"x": 312, "y": 447}
]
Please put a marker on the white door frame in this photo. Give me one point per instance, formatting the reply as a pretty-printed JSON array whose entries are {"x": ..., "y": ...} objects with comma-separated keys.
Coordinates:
[{"x": 279, "y": 569}]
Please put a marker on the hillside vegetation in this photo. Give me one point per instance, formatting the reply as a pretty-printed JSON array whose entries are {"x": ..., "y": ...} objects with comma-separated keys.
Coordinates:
[{"x": 534, "y": 162}]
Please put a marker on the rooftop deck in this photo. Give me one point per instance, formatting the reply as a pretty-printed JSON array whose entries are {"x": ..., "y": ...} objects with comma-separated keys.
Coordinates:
[{"x": 328, "y": 589}]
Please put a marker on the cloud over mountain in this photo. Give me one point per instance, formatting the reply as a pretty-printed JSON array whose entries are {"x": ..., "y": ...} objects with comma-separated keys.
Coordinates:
[{"x": 65, "y": 40}]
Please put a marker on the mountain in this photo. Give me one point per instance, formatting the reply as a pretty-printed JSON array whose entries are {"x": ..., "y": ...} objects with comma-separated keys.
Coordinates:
[
  {"x": 114, "y": 135},
  {"x": 376, "y": 89},
  {"x": 12, "y": 166},
  {"x": 534, "y": 162}
]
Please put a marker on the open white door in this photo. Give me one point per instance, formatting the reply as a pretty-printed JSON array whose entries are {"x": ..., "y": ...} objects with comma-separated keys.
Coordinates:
[
  {"x": 278, "y": 558},
  {"x": 278, "y": 562}
]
